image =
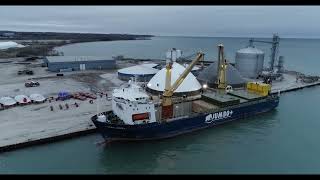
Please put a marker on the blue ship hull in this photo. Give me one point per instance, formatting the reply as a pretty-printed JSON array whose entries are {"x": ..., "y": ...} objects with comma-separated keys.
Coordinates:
[{"x": 157, "y": 130}]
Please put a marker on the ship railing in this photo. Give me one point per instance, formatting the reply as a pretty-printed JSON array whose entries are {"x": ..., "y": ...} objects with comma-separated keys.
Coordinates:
[{"x": 122, "y": 100}]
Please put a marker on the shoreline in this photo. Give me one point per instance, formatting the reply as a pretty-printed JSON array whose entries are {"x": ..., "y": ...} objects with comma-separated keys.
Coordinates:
[
  {"x": 44, "y": 43},
  {"x": 44, "y": 49}
]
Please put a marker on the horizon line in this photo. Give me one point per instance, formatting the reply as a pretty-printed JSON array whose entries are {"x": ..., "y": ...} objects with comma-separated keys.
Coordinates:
[{"x": 187, "y": 36}]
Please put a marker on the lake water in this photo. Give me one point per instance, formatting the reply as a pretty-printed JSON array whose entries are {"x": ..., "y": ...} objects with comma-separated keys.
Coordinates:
[
  {"x": 285, "y": 140},
  {"x": 299, "y": 54}
]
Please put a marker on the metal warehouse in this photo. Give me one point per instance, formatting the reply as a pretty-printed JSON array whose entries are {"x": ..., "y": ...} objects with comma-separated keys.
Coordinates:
[
  {"x": 143, "y": 72},
  {"x": 76, "y": 63}
]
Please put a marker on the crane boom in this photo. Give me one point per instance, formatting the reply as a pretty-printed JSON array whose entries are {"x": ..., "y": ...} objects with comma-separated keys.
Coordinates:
[
  {"x": 185, "y": 73},
  {"x": 167, "y": 109}
]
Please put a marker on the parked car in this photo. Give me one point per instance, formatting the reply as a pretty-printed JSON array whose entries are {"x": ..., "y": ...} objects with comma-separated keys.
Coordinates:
[
  {"x": 79, "y": 96},
  {"x": 32, "y": 84},
  {"x": 64, "y": 96},
  {"x": 92, "y": 96},
  {"x": 31, "y": 58},
  {"x": 88, "y": 95},
  {"x": 29, "y": 72},
  {"x": 82, "y": 98}
]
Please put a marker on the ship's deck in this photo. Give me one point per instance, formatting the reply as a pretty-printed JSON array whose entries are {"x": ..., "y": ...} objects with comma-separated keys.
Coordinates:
[{"x": 243, "y": 94}]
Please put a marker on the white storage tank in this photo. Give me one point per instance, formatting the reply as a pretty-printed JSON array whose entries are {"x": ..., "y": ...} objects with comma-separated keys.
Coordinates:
[{"x": 249, "y": 62}]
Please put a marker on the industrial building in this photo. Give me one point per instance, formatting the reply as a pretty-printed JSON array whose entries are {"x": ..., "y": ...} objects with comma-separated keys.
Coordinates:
[
  {"x": 142, "y": 72},
  {"x": 76, "y": 63}
]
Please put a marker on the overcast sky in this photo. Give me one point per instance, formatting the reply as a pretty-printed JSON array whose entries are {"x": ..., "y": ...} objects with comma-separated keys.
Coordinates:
[{"x": 258, "y": 21}]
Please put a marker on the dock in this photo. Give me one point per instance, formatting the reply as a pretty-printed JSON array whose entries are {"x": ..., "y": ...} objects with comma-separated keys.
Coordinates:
[
  {"x": 33, "y": 124},
  {"x": 290, "y": 84}
]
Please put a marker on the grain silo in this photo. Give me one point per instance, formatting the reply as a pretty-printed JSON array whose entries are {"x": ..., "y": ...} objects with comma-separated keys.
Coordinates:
[{"x": 249, "y": 62}]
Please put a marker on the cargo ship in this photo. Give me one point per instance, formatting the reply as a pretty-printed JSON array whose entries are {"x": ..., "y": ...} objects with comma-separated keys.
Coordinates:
[{"x": 137, "y": 114}]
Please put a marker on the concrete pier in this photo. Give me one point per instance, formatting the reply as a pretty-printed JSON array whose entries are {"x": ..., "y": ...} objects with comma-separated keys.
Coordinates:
[
  {"x": 32, "y": 124},
  {"x": 290, "y": 84},
  {"x": 35, "y": 124}
]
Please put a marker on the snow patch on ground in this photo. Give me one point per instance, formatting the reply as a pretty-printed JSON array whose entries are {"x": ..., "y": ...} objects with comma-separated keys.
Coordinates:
[{"x": 113, "y": 78}]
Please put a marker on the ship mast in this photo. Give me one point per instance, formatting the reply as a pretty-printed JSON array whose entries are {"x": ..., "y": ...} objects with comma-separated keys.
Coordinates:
[{"x": 222, "y": 66}]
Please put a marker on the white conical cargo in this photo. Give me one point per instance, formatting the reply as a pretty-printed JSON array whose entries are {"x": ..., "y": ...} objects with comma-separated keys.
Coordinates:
[
  {"x": 249, "y": 62},
  {"x": 189, "y": 85}
]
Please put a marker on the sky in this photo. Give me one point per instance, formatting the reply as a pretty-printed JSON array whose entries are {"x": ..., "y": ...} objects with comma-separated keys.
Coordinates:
[{"x": 214, "y": 21}]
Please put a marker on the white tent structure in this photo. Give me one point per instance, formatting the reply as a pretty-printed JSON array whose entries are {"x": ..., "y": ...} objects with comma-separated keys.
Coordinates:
[
  {"x": 37, "y": 98},
  {"x": 22, "y": 99},
  {"x": 142, "y": 72},
  {"x": 190, "y": 85},
  {"x": 10, "y": 44},
  {"x": 7, "y": 101}
]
